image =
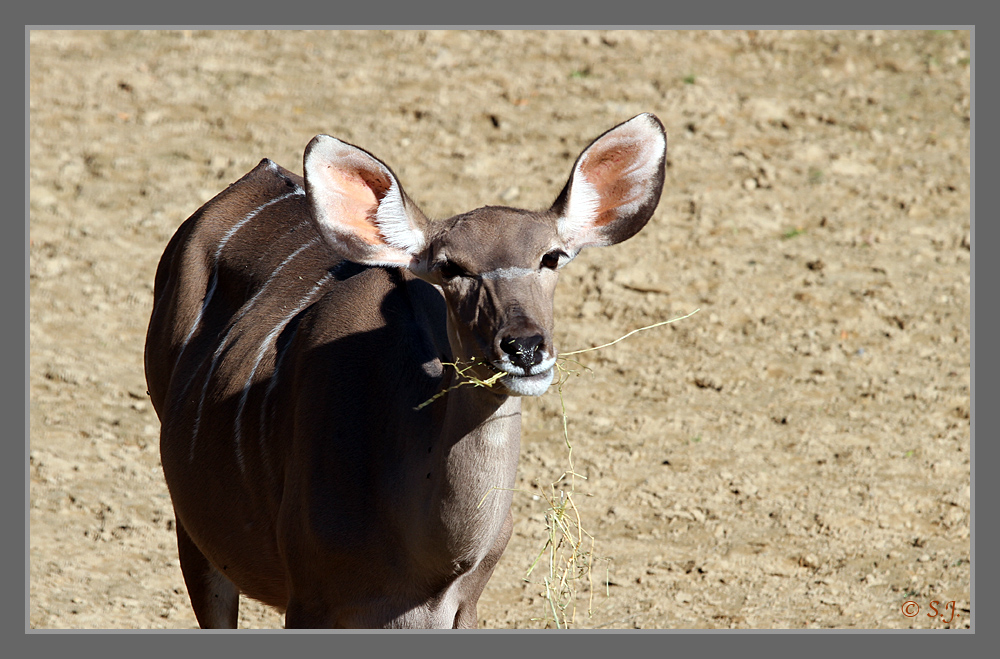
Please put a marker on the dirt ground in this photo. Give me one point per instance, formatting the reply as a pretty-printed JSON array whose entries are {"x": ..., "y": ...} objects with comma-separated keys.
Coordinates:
[{"x": 794, "y": 455}]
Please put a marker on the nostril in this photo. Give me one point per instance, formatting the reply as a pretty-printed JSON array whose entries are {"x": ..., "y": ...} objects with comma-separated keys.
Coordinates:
[
  {"x": 524, "y": 351},
  {"x": 530, "y": 349}
]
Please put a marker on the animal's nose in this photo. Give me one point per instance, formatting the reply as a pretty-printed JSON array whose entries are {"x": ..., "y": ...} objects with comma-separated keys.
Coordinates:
[{"x": 524, "y": 351}]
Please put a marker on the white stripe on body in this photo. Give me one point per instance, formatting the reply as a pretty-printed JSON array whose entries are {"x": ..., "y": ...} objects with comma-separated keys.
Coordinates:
[
  {"x": 208, "y": 298},
  {"x": 260, "y": 356},
  {"x": 232, "y": 327},
  {"x": 271, "y": 385},
  {"x": 215, "y": 270},
  {"x": 237, "y": 427}
]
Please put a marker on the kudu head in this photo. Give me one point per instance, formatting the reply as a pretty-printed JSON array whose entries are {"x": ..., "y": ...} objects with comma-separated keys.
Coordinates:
[{"x": 496, "y": 266}]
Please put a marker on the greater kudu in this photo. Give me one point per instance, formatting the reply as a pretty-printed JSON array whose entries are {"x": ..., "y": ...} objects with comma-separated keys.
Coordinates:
[{"x": 298, "y": 325}]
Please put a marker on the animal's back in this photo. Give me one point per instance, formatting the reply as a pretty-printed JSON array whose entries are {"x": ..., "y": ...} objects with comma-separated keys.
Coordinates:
[
  {"x": 201, "y": 281},
  {"x": 228, "y": 290}
]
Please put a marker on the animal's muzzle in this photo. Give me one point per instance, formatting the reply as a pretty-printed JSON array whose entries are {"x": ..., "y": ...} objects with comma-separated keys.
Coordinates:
[{"x": 524, "y": 352}]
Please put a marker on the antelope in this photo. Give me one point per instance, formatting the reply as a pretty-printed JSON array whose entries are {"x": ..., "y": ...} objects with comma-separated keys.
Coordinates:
[{"x": 299, "y": 325}]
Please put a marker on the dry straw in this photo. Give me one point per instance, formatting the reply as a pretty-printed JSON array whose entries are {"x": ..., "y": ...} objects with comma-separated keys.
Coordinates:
[{"x": 569, "y": 547}]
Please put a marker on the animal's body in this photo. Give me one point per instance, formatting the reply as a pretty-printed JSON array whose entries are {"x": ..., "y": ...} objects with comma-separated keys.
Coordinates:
[{"x": 298, "y": 326}]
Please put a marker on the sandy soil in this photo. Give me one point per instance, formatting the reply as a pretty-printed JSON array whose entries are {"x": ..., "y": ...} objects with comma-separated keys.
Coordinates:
[{"x": 794, "y": 455}]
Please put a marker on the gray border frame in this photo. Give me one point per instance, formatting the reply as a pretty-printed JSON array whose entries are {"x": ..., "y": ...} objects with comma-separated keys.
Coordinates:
[{"x": 598, "y": 642}]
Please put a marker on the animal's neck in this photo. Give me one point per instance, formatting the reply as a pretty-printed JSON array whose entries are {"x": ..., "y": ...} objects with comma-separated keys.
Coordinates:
[
  {"x": 476, "y": 467},
  {"x": 471, "y": 460}
]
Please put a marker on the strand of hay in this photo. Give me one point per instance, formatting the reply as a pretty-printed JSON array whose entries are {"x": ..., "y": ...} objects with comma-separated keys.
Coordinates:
[{"x": 569, "y": 558}]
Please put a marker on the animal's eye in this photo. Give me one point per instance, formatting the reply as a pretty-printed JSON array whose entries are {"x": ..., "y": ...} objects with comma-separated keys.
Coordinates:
[
  {"x": 551, "y": 260},
  {"x": 449, "y": 270}
]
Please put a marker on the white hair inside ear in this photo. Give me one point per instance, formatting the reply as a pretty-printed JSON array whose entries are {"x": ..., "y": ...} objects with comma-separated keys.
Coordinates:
[
  {"x": 615, "y": 184},
  {"x": 394, "y": 224}
]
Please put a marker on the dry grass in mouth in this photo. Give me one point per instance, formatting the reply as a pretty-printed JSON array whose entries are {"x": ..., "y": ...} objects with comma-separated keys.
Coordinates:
[
  {"x": 568, "y": 551},
  {"x": 466, "y": 379}
]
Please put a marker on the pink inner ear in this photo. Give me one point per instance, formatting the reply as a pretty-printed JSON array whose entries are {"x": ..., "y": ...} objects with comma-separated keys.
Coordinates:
[
  {"x": 608, "y": 170},
  {"x": 354, "y": 203}
]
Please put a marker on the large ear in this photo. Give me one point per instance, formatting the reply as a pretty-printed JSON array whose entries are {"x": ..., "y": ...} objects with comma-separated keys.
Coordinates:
[
  {"x": 359, "y": 206},
  {"x": 615, "y": 185}
]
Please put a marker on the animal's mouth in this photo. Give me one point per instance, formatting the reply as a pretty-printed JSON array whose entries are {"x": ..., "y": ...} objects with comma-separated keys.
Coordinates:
[{"x": 519, "y": 382}]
